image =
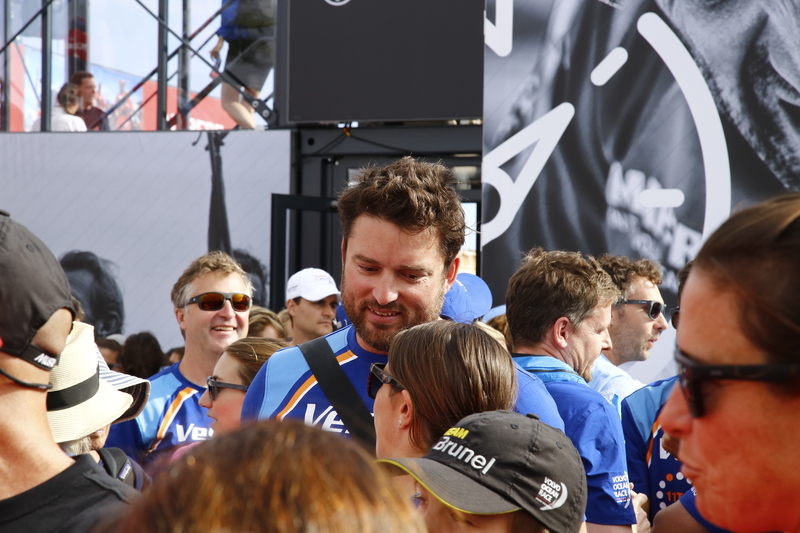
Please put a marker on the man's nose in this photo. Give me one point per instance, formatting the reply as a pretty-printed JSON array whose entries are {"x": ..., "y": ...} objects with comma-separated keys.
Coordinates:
[
  {"x": 661, "y": 322},
  {"x": 385, "y": 291},
  {"x": 607, "y": 341},
  {"x": 675, "y": 416},
  {"x": 205, "y": 400},
  {"x": 227, "y": 309}
]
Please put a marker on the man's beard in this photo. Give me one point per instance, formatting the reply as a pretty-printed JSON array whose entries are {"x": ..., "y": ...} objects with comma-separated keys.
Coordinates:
[
  {"x": 635, "y": 352},
  {"x": 379, "y": 336},
  {"x": 628, "y": 346}
]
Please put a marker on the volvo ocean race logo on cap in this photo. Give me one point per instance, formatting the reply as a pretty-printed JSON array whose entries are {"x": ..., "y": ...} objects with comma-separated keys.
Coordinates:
[{"x": 552, "y": 495}]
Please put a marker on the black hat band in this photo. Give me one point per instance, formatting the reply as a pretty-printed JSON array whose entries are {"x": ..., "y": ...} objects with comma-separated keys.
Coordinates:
[{"x": 74, "y": 395}]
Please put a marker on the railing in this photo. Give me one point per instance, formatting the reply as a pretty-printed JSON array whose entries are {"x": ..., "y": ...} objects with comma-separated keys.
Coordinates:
[{"x": 14, "y": 84}]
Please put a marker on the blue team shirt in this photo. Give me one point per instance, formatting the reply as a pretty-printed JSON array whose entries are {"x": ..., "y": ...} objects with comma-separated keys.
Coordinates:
[
  {"x": 594, "y": 427},
  {"x": 653, "y": 471},
  {"x": 535, "y": 398},
  {"x": 613, "y": 383},
  {"x": 285, "y": 387},
  {"x": 689, "y": 503},
  {"x": 172, "y": 418},
  {"x": 228, "y": 29}
]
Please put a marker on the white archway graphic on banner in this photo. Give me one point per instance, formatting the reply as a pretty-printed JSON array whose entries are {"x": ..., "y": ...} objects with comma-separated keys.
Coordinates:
[{"x": 546, "y": 131}]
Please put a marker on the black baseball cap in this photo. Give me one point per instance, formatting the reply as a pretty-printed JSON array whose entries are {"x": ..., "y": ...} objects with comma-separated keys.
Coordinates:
[
  {"x": 32, "y": 287},
  {"x": 500, "y": 462}
]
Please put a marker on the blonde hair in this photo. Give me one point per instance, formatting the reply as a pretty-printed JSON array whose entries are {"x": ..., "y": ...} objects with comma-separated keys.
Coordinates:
[
  {"x": 211, "y": 263},
  {"x": 275, "y": 476}
]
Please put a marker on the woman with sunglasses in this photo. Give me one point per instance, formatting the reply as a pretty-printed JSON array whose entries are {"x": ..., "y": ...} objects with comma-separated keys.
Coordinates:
[
  {"x": 233, "y": 373},
  {"x": 737, "y": 406},
  {"x": 437, "y": 374}
]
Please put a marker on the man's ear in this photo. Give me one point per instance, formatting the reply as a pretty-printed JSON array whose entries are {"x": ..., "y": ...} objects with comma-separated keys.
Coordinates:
[
  {"x": 344, "y": 250},
  {"x": 290, "y": 307},
  {"x": 561, "y": 332},
  {"x": 180, "y": 316},
  {"x": 452, "y": 271}
]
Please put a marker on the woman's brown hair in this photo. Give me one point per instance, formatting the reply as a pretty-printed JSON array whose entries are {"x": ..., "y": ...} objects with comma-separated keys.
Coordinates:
[
  {"x": 756, "y": 254},
  {"x": 68, "y": 95},
  {"x": 450, "y": 370},
  {"x": 275, "y": 476},
  {"x": 251, "y": 353},
  {"x": 260, "y": 318}
]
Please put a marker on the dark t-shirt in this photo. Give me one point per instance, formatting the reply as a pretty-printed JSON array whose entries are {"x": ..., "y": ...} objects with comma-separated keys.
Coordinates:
[
  {"x": 73, "y": 501},
  {"x": 94, "y": 119}
]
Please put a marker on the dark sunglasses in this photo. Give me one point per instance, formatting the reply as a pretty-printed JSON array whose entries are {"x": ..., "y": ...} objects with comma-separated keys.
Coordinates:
[
  {"x": 377, "y": 377},
  {"x": 655, "y": 309},
  {"x": 674, "y": 316},
  {"x": 214, "y": 301},
  {"x": 214, "y": 386},
  {"x": 692, "y": 376}
]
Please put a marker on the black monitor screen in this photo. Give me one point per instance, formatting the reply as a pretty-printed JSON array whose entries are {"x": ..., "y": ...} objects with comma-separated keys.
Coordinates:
[{"x": 383, "y": 60}]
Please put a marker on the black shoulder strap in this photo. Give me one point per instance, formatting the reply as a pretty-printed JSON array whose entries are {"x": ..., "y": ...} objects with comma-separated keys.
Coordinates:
[
  {"x": 117, "y": 464},
  {"x": 340, "y": 392}
]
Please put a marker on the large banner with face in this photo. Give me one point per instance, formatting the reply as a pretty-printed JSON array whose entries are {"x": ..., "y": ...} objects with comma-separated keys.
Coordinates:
[
  {"x": 127, "y": 212},
  {"x": 633, "y": 127}
]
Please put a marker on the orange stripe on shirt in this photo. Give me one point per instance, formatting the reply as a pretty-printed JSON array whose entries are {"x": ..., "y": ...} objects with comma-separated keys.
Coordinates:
[
  {"x": 653, "y": 431},
  {"x": 170, "y": 415},
  {"x": 310, "y": 382}
]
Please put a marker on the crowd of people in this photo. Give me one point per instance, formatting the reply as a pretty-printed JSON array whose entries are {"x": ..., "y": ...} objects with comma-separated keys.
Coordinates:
[{"x": 391, "y": 403}]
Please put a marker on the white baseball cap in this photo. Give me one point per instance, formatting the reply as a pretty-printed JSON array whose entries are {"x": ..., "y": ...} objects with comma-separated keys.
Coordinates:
[{"x": 312, "y": 284}]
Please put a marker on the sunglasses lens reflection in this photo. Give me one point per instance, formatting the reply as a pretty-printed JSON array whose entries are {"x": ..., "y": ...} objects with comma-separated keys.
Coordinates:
[
  {"x": 240, "y": 302},
  {"x": 375, "y": 380},
  {"x": 690, "y": 392},
  {"x": 214, "y": 301},
  {"x": 656, "y": 309},
  {"x": 212, "y": 389}
]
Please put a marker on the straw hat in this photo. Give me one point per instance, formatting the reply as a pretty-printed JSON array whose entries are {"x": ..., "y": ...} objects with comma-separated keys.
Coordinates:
[
  {"x": 135, "y": 386},
  {"x": 81, "y": 403}
]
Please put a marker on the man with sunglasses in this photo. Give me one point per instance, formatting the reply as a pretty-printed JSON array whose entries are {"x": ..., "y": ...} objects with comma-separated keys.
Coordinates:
[
  {"x": 653, "y": 467},
  {"x": 637, "y": 321},
  {"x": 41, "y": 488},
  {"x": 558, "y": 306},
  {"x": 212, "y": 301}
]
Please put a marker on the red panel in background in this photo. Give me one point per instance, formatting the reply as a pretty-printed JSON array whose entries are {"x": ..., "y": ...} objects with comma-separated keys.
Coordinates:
[
  {"x": 208, "y": 115},
  {"x": 76, "y": 44},
  {"x": 17, "y": 120}
]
